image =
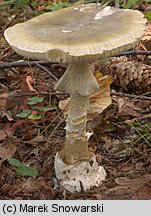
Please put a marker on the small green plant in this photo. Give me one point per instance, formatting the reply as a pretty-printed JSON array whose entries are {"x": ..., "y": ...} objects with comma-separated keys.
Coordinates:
[
  {"x": 17, "y": 4},
  {"x": 143, "y": 130},
  {"x": 27, "y": 114},
  {"x": 21, "y": 3},
  {"x": 41, "y": 110},
  {"x": 148, "y": 15},
  {"x": 132, "y": 3},
  {"x": 23, "y": 169},
  {"x": 126, "y": 4},
  {"x": 34, "y": 100},
  {"x": 57, "y": 6},
  {"x": 44, "y": 108},
  {"x": 34, "y": 117},
  {"x": 24, "y": 114}
]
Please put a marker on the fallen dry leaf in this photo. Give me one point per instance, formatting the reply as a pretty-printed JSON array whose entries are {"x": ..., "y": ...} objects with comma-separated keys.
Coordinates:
[
  {"x": 131, "y": 188},
  {"x": 146, "y": 39},
  {"x": 9, "y": 101},
  {"x": 143, "y": 192},
  {"x": 31, "y": 188},
  {"x": 145, "y": 42},
  {"x": 3, "y": 100},
  {"x": 7, "y": 115},
  {"x": 32, "y": 185},
  {"x": 64, "y": 105},
  {"x": 137, "y": 181},
  {"x": 127, "y": 108},
  {"x": 37, "y": 139},
  {"x": 8, "y": 152},
  {"x": 26, "y": 86},
  {"x": 6, "y": 132},
  {"x": 101, "y": 99}
]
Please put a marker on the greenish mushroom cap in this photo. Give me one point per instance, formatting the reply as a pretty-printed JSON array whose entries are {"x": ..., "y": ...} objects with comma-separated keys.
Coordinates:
[{"x": 86, "y": 32}]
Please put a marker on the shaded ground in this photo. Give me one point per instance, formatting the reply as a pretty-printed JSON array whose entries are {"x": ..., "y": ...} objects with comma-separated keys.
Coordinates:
[{"x": 121, "y": 140}]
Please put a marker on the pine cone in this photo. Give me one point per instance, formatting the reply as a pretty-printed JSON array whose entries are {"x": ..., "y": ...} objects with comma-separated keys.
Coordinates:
[{"x": 132, "y": 76}]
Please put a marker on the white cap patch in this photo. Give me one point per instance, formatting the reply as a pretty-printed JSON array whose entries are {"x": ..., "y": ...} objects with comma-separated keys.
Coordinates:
[{"x": 104, "y": 12}]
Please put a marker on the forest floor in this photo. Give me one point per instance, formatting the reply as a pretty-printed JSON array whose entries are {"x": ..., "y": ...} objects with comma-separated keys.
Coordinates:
[{"x": 121, "y": 139}]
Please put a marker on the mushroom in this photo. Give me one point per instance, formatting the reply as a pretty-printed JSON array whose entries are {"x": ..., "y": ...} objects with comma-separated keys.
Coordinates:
[{"x": 77, "y": 35}]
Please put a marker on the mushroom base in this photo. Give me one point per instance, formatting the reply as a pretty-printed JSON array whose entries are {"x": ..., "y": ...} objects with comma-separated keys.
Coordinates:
[{"x": 81, "y": 176}]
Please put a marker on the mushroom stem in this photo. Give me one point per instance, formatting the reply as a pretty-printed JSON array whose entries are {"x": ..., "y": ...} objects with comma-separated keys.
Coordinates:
[
  {"x": 79, "y": 81},
  {"x": 76, "y": 147}
]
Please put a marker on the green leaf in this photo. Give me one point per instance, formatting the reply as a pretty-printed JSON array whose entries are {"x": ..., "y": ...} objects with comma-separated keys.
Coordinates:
[
  {"x": 34, "y": 4},
  {"x": 34, "y": 100},
  {"x": 34, "y": 117},
  {"x": 131, "y": 4},
  {"x": 14, "y": 162},
  {"x": 2, "y": 7},
  {"x": 57, "y": 6},
  {"x": 1, "y": 148},
  {"x": 117, "y": 3},
  {"x": 24, "y": 114},
  {"x": 6, "y": 3},
  {"x": 148, "y": 15},
  {"x": 27, "y": 171},
  {"x": 21, "y": 3},
  {"x": 22, "y": 169},
  {"x": 44, "y": 108}
]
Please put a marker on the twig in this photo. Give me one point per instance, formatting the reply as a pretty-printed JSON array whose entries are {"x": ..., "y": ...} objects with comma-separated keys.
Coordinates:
[
  {"x": 137, "y": 119},
  {"x": 24, "y": 63},
  {"x": 140, "y": 97},
  {"x": 146, "y": 93},
  {"x": 41, "y": 93},
  {"x": 47, "y": 71},
  {"x": 136, "y": 52},
  {"x": 34, "y": 63}
]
